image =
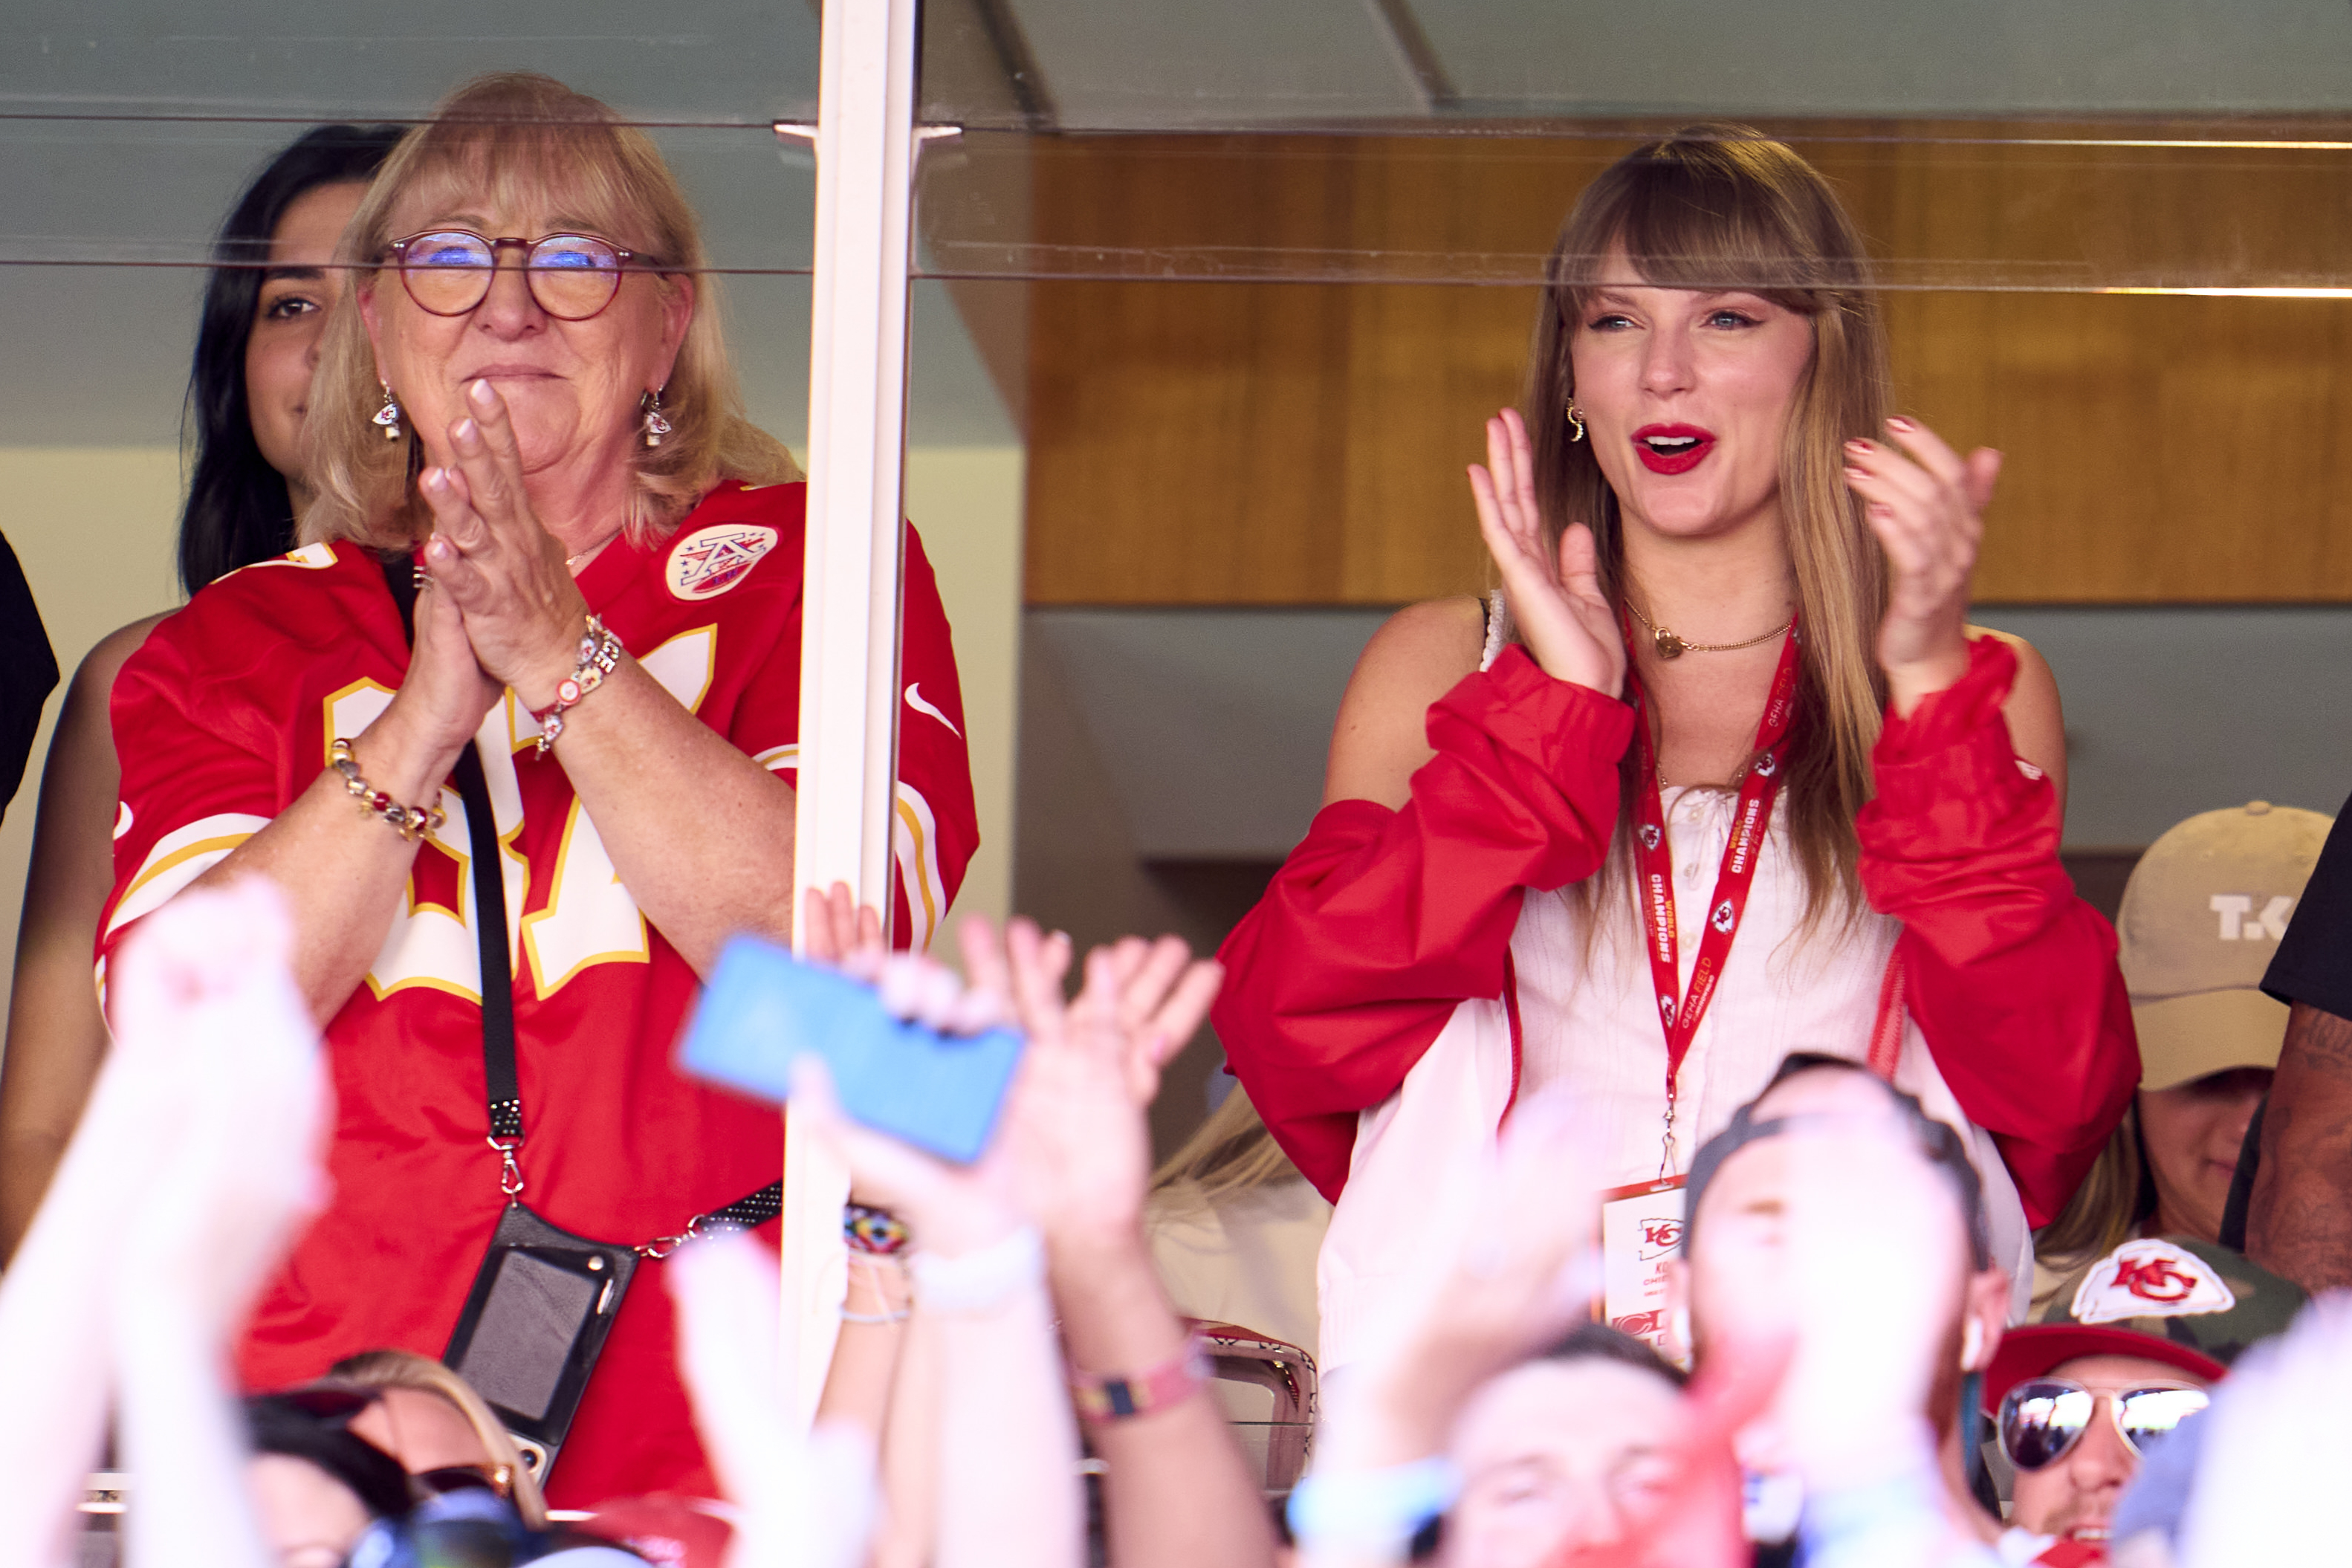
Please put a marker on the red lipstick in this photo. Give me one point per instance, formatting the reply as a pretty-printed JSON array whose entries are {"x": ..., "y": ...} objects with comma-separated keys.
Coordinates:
[{"x": 1672, "y": 449}]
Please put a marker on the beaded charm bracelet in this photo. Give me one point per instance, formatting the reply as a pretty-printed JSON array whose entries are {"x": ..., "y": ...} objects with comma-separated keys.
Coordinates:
[
  {"x": 600, "y": 654},
  {"x": 876, "y": 1232},
  {"x": 408, "y": 821}
]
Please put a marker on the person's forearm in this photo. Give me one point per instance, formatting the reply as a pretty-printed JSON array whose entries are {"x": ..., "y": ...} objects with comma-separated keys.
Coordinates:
[
  {"x": 1176, "y": 1492},
  {"x": 700, "y": 834},
  {"x": 56, "y": 1038},
  {"x": 341, "y": 871},
  {"x": 910, "y": 1453},
  {"x": 1008, "y": 1485},
  {"x": 873, "y": 1315},
  {"x": 181, "y": 1439},
  {"x": 57, "y": 1043},
  {"x": 54, "y": 1376},
  {"x": 2299, "y": 1223}
]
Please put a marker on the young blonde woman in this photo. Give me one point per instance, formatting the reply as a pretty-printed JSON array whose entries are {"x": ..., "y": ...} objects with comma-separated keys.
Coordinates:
[{"x": 1721, "y": 772}]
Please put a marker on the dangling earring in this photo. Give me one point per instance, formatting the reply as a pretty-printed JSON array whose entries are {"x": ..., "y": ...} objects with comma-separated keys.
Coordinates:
[
  {"x": 656, "y": 426},
  {"x": 1576, "y": 419},
  {"x": 389, "y": 414}
]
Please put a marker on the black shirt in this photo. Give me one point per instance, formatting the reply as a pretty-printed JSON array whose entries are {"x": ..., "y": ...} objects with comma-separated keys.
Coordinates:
[
  {"x": 28, "y": 672},
  {"x": 2313, "y": 961}
]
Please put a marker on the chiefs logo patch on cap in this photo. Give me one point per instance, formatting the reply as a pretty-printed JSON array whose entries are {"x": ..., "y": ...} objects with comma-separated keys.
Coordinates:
[
  {"x": 709, "y": 561},
  {"x": 2150, "y": 1279}
]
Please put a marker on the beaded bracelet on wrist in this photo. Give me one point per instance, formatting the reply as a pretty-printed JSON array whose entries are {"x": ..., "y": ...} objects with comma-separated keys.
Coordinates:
[
  {"x": 409, "y": 821},
  {"x": 600, "y": 655},
  {"x": 875, "y": 1231}
]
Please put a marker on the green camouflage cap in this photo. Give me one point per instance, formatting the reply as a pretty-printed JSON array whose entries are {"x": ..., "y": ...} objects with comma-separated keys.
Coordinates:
[{"x": 2193, "y": 1293}]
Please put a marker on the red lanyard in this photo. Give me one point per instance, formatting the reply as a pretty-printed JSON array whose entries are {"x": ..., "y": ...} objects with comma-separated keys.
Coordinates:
[{"x": 1654, "y": 865}]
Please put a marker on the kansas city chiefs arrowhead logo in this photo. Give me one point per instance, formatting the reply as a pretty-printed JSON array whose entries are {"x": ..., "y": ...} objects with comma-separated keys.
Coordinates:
[
  {"x": 1767, "y": 765},
  {"x": 1649, "y": 836},
  {"x": 709, "y": 561},
  {"x": 1666, "y": 1007},
  {"x": 1724, "y": 917},
  {"x": 2150, "y": 1278}
]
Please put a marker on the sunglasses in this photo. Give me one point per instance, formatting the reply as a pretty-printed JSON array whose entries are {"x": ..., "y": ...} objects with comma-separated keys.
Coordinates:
[
  {"x": 448, "y": 271},
  {"x": 2042, "y": 1418},
  {"x": 336, "y": 1404}
]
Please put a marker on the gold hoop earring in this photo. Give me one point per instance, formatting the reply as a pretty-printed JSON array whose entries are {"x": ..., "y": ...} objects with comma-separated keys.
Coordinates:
[{"x": 1576, "y": 419}]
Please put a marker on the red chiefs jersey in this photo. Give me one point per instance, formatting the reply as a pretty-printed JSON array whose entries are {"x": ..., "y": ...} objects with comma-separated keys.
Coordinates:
[{"x": 226, "y": 715}]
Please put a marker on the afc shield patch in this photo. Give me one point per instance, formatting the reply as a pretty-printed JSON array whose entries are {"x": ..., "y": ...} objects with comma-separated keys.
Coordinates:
[{"x": 709, "y": 561}]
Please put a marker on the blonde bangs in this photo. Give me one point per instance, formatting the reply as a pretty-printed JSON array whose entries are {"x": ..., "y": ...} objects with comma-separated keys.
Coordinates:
[
  {"x": 1725, "y": 220},
  {"x": 584, "y": 174}
]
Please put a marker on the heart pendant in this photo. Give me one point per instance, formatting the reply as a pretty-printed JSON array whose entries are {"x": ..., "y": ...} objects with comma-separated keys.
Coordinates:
[{"x": 1668, "y": 645}]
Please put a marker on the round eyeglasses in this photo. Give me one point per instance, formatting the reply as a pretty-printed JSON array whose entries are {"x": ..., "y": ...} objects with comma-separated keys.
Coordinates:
[
  {"x": 448, "y": 271},
  {"x": 2042, "y": 1418}
]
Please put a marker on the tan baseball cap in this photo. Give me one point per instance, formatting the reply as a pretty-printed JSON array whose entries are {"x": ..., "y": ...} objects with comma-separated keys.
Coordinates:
[{"x": 2200, "y": 917}]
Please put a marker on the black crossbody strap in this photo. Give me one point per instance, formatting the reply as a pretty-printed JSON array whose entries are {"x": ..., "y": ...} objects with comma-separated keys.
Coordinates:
[
  {"x": 757, "y": 1209},
  {"x": 499, "y": 1086}
]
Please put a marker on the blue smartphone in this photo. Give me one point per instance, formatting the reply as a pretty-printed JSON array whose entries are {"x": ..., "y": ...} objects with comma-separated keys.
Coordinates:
[{"x": 762, "y": 1008}]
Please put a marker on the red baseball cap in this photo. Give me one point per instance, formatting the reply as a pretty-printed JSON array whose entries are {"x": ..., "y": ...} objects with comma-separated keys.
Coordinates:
[{"x": 2036, "y": 1350}]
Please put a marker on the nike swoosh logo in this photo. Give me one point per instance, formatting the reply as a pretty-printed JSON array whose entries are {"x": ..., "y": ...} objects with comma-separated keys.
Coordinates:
[{"x": 915, "y": 701}]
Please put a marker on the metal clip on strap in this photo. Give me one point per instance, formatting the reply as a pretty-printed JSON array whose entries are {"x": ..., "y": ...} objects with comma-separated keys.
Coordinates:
[{"x": 754, "y": 1208}]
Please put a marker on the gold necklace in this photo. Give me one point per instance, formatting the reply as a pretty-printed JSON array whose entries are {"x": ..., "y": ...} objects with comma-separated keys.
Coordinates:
[{"x": 1669, "y": 646}]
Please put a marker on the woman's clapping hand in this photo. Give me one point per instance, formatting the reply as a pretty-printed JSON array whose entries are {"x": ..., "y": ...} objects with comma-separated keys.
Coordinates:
[
  {"x": 488, "y": 553},
  {"x": 1556, "y": 598},
  {"x": 1926, "y": 504}
]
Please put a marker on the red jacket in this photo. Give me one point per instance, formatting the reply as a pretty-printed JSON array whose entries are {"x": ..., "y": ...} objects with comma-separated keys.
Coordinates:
[{"x": 1381, "y": 921}]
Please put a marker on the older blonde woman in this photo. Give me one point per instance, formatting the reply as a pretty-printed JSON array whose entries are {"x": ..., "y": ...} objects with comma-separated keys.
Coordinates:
[{"x": 607, "y": 557}]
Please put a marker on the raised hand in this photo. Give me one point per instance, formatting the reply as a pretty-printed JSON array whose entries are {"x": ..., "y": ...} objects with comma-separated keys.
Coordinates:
[
  {"x": 1925, "y": 503},
  {"x": 446, "y": 693},
  {"x": 1556, "y": 599},
  {"x": 488, "y": 553},
  {"x": 837, "y": 930},
  {"x": 1080, "y": 1139},
  {"x": 950, "y": 1207}
]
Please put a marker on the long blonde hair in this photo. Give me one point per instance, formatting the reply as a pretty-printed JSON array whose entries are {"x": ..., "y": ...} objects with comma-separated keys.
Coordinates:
[
  {"x": 2117, "y": 1197},
  {"x": 1723, "y": 207},
  {"x": 406, "y": 1369},
  {"x": 506, "y": 135},
  {"x": 1232, "y": 1152}
]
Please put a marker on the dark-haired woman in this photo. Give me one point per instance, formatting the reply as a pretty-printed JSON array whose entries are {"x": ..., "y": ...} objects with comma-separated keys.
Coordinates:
[
  {"x": 265, "y": 305},
  {"x": 1721, "y": 774}
]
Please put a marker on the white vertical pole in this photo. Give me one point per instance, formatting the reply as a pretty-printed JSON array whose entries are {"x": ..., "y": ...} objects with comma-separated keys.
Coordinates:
[{"x": 849, "y": 634}]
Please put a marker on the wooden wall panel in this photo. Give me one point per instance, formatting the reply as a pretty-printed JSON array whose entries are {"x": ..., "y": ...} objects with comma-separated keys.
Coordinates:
[{"x": 1303, "y": 443}]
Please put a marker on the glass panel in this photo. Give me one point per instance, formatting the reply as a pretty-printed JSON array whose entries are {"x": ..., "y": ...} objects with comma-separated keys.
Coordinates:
[
  {"x": 2057, "y": 206},
  {"x": 1198, "y": 65},
  {"x": 1998, "y": 144}
]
